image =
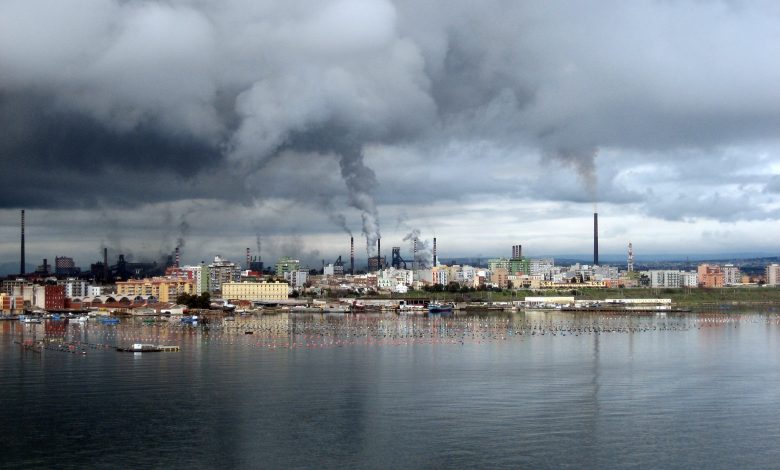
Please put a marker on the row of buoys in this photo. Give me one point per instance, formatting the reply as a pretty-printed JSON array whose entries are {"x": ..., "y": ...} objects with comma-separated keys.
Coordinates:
[{"x": 323, "y": 332}]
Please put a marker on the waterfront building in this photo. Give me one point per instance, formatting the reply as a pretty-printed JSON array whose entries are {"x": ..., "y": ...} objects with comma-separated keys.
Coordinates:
[
  {"x": 49, "y": 297},
  {"x": 710, "y": 276},
  {"x": 95, "y": 291},
  {"x": 163, "y": 288},
  {"x": 25, "y": 291},
  {"x": 572, "y": 285},
  {"x": 10, "y": 285},
  {"x": 690, "y": 279},
  {"x": 11, "y": 304},
  {"x": 773, "y": 275},
  {"x": 255, "y": 291},
  {"x": 6, "y": 303},
  {"x": 731, "y": 275},
  {"x": 74, "y": 287},
  {"x": 665, "y": 278}
]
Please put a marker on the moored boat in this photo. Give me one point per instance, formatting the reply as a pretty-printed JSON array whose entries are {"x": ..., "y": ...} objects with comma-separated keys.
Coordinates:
[
  {"x": 436, "y": 307},
  {"x": 29, "y": 319}
]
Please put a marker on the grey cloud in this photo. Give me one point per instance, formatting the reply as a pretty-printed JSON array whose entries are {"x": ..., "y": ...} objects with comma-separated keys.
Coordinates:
[
  {"x": 143, "y": 102},
  {"x": 773, "y": 186}
]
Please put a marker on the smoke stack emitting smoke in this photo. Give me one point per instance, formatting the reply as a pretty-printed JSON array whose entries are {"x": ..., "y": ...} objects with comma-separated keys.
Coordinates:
[
  {"x": 434, "y": 251},
  {"x": 21, "y": 262},
  {"x": 596, "y": 238},
  {"x": 352, "y": 255},
  {"x": 414, "y": 255}
]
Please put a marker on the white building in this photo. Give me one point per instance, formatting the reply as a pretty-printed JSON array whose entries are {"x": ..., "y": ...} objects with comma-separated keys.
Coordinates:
[
  {"x": 773, "y": 275},
  {"x": 542, "y": 266},
  {"x": 74, "y": 287},
  {"x": 731, "y": 275},
  {"x": 690, "y": 279},
  {"x": 391, "y": 277},
  {"x": 662, "y": 278},
  {"x": 665, "y": 278},
  {"x": 603, "y": 272},
  {"x": 329, "y": 270},
  {"x": 297, "y": 278},
  {"x": 95, "y": 291}
]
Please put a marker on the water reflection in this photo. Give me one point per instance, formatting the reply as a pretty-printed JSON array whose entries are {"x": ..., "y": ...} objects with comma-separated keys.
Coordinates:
[{"x": 521, "y": 389}]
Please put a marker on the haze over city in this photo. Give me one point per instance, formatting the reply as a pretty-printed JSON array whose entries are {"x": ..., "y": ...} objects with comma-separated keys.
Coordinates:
[{"x": 283, "y": 127}]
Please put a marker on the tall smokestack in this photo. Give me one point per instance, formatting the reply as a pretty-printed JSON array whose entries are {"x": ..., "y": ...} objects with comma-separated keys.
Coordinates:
[
  {"x": 414, "y": 255},
  {"x": 177, "y": 258},
  {"x": 596, "y": 238},
  {"x": 378, "y": 254},
  {"x": 352, "y": 255},
  {"x": 248, "y": 260},
  {"x": 21, "y": 262},
  {"x": 434, "y": 252}
]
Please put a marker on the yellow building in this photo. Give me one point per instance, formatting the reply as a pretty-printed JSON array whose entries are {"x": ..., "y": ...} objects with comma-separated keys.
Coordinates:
[
  {"x": 571, "y": 285},
  {"x": 163, "y": 288},
  {"x": 254, "y": 290}
]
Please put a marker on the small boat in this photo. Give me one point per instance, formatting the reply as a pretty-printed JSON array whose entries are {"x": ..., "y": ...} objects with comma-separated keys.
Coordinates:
[
  {"x": 109, "y": 321},
  {"x": 28, "y": 319},
  {"x": 435, "y": 307},
  {"x": 190, "y": 319},
  {"x": 81, "y": 319}
]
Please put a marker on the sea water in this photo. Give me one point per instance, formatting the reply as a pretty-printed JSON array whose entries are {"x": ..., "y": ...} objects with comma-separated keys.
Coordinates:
[{"x": 385, "y": 391}]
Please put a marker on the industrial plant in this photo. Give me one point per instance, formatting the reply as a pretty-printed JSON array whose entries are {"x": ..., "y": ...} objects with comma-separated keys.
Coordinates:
[{"x": 161, "y": 282}]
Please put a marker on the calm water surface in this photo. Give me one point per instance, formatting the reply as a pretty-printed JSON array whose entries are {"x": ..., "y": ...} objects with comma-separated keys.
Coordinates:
[{"x": 515, "y": 390}]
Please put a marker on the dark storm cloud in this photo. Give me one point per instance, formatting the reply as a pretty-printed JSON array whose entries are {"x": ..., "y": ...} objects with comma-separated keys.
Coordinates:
[
  {"x": 138, "y": 102},
  {"x": 57, "y": 158}
]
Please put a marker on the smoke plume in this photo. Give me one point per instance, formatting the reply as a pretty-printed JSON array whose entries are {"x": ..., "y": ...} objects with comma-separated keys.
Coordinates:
[{"x": 424, "y": 257}]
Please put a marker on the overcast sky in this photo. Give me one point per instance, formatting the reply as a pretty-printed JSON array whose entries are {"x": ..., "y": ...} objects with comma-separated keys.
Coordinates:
[{"x": 140, "y": 125}]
